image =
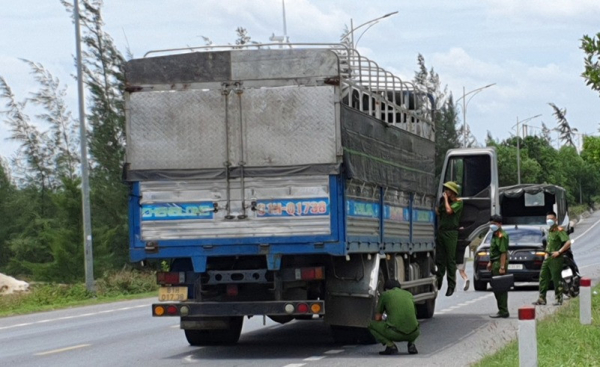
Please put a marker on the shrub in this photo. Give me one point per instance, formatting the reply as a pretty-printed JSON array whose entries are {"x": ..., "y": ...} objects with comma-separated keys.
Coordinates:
[{"x": 126, "y": 282}]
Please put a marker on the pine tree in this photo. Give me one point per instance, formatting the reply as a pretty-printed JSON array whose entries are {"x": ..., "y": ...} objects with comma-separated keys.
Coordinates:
[
  {"x": 566, "y": 132},
  {"x": 104, "y": 78},
  {"x": 443, "y": 111}
]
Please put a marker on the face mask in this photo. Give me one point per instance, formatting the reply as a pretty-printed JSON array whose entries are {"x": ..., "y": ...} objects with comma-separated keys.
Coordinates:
[
  {"x": 493, "y": 227},
  {"x": 550, "y": 222}
]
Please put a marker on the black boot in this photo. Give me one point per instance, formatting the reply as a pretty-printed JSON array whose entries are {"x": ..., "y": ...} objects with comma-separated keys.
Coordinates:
[
  {"x": 389, "y": 351},
  {"x": 412, "y": 349},
  {"x": 449, "y": 292}
]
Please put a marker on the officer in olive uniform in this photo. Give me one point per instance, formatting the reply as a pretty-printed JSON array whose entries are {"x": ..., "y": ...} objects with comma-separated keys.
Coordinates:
[
  {"x": 558, "y": 243},
  {"x": 401, "y": 324},
  {"x": 448, "y": 212},
  {"x": 499, "y": 262}
]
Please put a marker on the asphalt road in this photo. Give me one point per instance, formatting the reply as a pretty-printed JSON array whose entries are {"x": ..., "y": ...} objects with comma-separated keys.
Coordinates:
[{"x": 124, "y": 333}]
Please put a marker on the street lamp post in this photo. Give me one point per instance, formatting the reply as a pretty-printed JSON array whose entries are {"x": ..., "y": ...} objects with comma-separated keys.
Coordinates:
[
  {"x": 465, "y": 103},
  {"x": 352, "y": 29},
  {"x": 519, "y": 145},
  {"x": 85, "y": 184}
]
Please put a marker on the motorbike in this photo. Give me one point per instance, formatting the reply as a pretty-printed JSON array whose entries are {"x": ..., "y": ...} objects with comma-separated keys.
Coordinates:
[{"x": 570, "y": 275}]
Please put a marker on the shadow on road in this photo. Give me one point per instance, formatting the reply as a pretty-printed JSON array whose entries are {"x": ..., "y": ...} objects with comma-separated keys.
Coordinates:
[{"x": 299, "y": 339}]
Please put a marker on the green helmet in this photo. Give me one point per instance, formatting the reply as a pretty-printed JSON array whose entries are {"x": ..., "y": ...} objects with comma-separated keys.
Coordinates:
[{"x": 452, "y": 186}]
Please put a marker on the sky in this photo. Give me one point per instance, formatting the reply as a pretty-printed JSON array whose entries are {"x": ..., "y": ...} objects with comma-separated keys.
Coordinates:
[{"x": 529, "y": 49}]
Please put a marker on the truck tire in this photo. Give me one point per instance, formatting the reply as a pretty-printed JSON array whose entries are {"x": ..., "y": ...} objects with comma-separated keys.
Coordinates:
[
  {"x": 480, "y": 285},
  {"x": 426, "y": 310},
  {"x": 281, "y": 319},
  {"x": 351, "y": 335},
  {"x": 229, "y": 336}
]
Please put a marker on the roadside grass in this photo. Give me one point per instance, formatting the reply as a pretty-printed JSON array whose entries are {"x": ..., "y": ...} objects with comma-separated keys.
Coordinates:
[
  {"x": 561, "y": 340},
  {"x": 576, "y": 210},
  {"x": 113, "y": 286}
]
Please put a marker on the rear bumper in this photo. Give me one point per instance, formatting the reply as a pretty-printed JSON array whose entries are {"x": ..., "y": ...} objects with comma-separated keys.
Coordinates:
[{"x": 223, "y": 309}]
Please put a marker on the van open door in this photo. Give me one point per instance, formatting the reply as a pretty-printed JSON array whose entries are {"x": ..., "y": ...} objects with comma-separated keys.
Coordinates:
[{"x": 476, "y": 171}]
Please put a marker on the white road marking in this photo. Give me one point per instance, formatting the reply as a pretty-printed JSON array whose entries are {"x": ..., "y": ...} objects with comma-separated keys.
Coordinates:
[
  {"x": 587, "y": 266},
  {"x": 452, "y": 308},
  {"x": 589, "y": 229},
  {"x": 295, "y": 365},
  {"x": 334, "y": 351},
  {"x": 175, "y": 326},
  {"x": 70, "y": 317},
  {"x": 63, "y": 349},
  {"x": 316, "y": 358}
]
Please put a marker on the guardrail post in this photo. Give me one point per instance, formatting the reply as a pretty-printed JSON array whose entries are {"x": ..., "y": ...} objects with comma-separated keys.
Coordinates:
[
  {"x": 585, "y": 301},
  {"x": 527, "y": 337}
]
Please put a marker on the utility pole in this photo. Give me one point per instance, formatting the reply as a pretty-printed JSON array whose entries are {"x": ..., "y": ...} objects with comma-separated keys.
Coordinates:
[
  {"x": 518, "y": 153},
  {"x": 85, "y": 183},
  {"x": 519, "y": 145},
  {"x": 465, "y": 103}
]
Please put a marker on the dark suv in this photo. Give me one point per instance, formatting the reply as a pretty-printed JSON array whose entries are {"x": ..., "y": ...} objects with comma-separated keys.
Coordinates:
[{"x": 526, "y": 254}]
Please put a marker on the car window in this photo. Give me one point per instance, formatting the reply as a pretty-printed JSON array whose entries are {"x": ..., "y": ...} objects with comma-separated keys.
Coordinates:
[{"x": 519, "y": 235}]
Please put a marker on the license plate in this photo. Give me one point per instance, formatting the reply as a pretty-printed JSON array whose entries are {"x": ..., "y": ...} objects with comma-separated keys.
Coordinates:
[
  {"x": 567, "y": 273},
  {"x": 172, "y": 294},
  {"x": 515, "y": 266}
]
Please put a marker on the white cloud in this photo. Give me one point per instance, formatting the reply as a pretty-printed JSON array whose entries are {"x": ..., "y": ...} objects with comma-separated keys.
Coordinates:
[{"x": 549, "y": 9}]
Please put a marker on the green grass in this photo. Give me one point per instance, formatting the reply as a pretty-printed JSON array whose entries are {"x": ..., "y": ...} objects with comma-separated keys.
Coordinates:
[
  {"x": 576, "y": 210},
  {"x": 114, "y": 286},
  {"x": 561, "y": 340}
]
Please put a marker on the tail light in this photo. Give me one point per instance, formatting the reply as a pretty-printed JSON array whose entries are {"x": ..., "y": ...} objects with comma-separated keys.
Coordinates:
[
  {"x": 302, "y": 308},
  {"x": 483, "y": 253},
  {"x": 316, "y": 273},
  {"x": 172, "y": 310},
  {"x": 171, "y": 278},
  {"x": 232, "y": 290},
  {"x": 159, "y": 310}
]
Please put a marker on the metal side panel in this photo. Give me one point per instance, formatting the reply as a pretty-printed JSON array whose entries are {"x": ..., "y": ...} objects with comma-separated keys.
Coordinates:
[
  {"x": 186, "y": 129},
  {"x": 423, "y": 219},
  {"x": 180, "y": 210},
  {"x": 287, "y": 126},
  {"x": 176, "y": 130},
  {"x": 396, "y": 216},
  {"x": 363, "y": 211},
  {"x": 290, "y": 63}
]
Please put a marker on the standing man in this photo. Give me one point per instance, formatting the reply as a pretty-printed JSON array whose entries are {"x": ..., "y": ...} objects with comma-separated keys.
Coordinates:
[
  {"x": 558, "y": 243},
  {"x": 499, "y": 262},
  {"x": 448, "y": 213},
  {"x": 401, "y": 324}
]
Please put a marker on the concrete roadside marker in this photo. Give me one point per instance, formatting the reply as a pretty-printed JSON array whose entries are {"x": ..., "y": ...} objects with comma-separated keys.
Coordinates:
[
  {"x": 527, "y": 337},
  {"x": 585, "y": 301}
]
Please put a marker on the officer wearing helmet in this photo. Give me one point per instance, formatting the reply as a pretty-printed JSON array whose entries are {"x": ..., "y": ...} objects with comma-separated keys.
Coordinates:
[{"x": 448, "y": 212}]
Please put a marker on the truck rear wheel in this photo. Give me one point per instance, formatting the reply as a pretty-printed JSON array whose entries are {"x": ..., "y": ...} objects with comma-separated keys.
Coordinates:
[
  {"x": 228, "y": 336},
  {"x": 426, "y": 310},
  {"x": 351, "y": 335}
]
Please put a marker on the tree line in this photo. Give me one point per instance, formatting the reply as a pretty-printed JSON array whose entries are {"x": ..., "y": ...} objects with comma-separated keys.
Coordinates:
[{"x": 41, "y": 234}]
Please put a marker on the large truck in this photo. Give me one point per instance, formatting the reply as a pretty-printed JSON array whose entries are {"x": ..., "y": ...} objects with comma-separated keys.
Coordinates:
[{"x": 286, "y": 182}]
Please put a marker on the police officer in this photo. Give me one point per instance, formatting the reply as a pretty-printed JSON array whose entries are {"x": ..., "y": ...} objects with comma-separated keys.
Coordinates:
[
  {"x": 401, "y": 323},
  {"x": 558, "y": 243},
  {"x": 499, "y": 262},
  {"x": 449, "y": 212}
]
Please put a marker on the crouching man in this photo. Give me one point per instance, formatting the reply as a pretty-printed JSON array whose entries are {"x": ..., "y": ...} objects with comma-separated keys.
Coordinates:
[{"x": 401, "y": 324}]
